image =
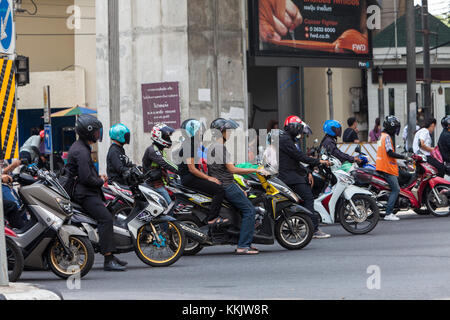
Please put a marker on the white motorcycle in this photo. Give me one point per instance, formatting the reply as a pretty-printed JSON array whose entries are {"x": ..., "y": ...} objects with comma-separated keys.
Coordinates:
[{"x": 338, "y": 200}]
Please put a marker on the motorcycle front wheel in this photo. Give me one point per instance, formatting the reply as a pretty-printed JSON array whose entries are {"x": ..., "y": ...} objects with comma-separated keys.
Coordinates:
[
  {"x": 15, "y": 260},
  {"x": 366, "y": 221},
  {"x": 79, "y": 261},
  {"x": 160, "y": 244},
  {"x": 294, "y": 232}
]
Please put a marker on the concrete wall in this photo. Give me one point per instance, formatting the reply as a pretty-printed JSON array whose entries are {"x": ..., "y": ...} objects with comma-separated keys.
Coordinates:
[{"x": 45, "y": 37}]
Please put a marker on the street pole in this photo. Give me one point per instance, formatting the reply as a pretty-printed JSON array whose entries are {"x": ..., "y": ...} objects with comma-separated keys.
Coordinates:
[
  {"x": 426, "y": 61},
  {"x": 330, "y": 92},
  {"x": 48, "y": 119},
  {"x": 411, "y": 70},
  {"x": 4, "y": 282},
  {"x": 380, "y": 94}
]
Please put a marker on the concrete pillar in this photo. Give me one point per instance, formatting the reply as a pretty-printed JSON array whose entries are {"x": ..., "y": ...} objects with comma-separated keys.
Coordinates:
[{"x": 288, "y": 93}]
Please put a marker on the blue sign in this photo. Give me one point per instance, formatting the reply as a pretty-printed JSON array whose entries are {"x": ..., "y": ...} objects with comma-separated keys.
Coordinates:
[
  {"x": 48, "y": 139},
  {"x": 6, "y": 26}
]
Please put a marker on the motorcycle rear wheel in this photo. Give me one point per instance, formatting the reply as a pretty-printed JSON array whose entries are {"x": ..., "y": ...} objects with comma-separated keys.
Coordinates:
[
  {"x": 352, "y": 225},
  {"x": 192, "y": 247},
  {"x": 299, "y": 236},
  {"x": 432, "y": 203},
  {"x": 15, "y": 260}
]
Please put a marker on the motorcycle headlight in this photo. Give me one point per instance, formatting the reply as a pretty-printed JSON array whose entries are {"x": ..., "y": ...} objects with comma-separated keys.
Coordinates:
[{"x": 65, "y": 206}]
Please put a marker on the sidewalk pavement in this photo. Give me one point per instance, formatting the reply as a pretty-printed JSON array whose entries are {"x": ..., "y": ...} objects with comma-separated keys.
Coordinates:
[{"x": 25, "y": 291}]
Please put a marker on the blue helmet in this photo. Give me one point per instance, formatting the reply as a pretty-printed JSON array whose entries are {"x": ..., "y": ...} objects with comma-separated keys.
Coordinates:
[
  {"x": 332, "y": 128},
  {"x": 192, "y": 126},
  {"x": 120, "y": 133}
]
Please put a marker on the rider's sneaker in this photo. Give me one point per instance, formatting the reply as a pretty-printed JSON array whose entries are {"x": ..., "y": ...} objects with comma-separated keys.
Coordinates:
[
  {"x": 320, "y": 235},
  {"x": 121, "y": 262},
  {"x": 391, "y": 217}
]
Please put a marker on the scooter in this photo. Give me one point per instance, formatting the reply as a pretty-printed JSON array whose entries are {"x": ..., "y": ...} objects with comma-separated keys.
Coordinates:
[
  {"x": 143, "y": 227},
  {"x": 337, "y": 199},
  {"x": 14, "y": 256},
  {"x": 423, "y": 187},
  {"x": 49, "y": 238},
  {"x": 278, "y": 216}
]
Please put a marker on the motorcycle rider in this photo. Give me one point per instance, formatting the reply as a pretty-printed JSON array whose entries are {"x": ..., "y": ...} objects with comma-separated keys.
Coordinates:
[
  {"x": 155, "y": 159},
  {"x": 192, "y": 176},
  {"x": 88, "y": 192},
  {"x": 29, "y": 152},
  {"x": 117, "y": 163},
  {"x": 333, "y": 130},
  {"x": 293, "y": 173},
  {"x": 444, "y": 142},
  {"x": 387, "y": 162},
  {"x": 221, "y": 167}
]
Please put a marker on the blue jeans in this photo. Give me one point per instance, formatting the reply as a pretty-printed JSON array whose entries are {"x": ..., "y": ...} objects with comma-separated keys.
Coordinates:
[
  {"x": 395, "y": 191},
  {"x": 237, "y": 197},
  {"x": 162, "y": 191}
]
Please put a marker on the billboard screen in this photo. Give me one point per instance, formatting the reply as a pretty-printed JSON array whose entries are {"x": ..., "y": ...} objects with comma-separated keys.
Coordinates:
[{"x": 325, "y": 29}]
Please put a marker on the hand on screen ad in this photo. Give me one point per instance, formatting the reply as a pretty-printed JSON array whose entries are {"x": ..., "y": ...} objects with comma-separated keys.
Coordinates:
[{"x": 277, "y": 18}]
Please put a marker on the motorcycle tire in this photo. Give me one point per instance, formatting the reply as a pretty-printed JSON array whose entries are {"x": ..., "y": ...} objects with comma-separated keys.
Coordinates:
[
  {"x": 145, "y": 236},
  {"x": 15, "y": 260},
  {"x": 192, "y": 247},
  {"x": 375, "y": 214},
  {"x": 431, "y": 207},
  {"x": 298, "y": 221},
  {"x": 76, "y": 242}
]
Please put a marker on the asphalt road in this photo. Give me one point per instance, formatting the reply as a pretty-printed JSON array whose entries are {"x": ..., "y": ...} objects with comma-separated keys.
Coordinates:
[{"x": 411, "y": 257}]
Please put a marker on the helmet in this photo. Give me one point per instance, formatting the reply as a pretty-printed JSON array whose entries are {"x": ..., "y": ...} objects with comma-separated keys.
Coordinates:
[
  {"x": 392, "y": 125},
  {"x": 192, "y": 126},
  {"x": 42, "y": 134},
  {"x": 294, "y": 126},
  {"x": 89, "y": 128},
  {"x": 161, "y": 135},
  {"x": 120, "y": 133},
  {"x": 183, "y": 125},
  {"x": 332, "y": 128},
  {"x": 445, "y": 122},
  {"x": 222, "y": 124}
]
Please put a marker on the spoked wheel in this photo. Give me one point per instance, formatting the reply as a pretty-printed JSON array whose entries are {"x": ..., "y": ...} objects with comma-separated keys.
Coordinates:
[
  {"x": 295, "y": 232},
  {"x": 437, "y": 200},
  {"x": 160, "y": 244},
  {"x": 14, "y": 257},
  {"x": 79, "y": 261},
  {"x": 363, "y": 221}
]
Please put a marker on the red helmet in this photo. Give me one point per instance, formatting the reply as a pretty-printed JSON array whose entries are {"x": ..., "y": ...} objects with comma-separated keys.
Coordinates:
[
  {"x": 42, "y": 134},
  {"x": 293, "y": 125}
]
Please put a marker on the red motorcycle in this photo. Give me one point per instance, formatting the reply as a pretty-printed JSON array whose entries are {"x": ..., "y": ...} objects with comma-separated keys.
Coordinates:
[
  {"x": 423, "y": 187},
  {"x": 14, "y": 256}
]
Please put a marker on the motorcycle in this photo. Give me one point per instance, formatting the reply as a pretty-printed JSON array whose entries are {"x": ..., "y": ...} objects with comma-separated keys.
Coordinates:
[
  {"x": 278, "y": 216},
  {"x": 14, "y": 256},
  {"x": 423, "y": 187},
  {"x": 49, "y": 238},
  {"x": 337, "y": 199},
  {"x": 143, "y": 226}
]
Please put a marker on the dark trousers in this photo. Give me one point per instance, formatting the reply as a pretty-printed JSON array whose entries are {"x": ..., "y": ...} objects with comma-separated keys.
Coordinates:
[
  {"x": 439, "y": 166},
  {"x": 94, "y": 206},
  {"x": 305, "y": 192},
  {"x": 213, "y": 189},
  {"x": 395, "y": 191},
  {"x": 12, "y": 214}
]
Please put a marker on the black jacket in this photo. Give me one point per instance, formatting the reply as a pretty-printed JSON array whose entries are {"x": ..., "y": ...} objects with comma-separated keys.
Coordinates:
[
  {"x": 81, "y": 166},
  {"x": 444, "y": 145},
  {"x": 291, "y": 171},
  {"x": 330, "y": 144},
  {"x": 117, "y": 164}
]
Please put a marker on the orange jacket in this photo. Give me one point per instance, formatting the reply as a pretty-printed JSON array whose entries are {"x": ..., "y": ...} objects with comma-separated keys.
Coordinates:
[{"x": 384, "y": 162}]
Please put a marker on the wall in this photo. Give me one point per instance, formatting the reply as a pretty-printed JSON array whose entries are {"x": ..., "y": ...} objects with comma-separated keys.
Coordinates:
[{"x": 45, "y": 37}]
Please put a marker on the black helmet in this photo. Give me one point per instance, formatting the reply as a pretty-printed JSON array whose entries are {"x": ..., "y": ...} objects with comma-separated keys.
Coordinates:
[
  {"x": 445, "y": 122},
  {"x": 392, "y": 125},
  {"x": 89, "y": 128}
]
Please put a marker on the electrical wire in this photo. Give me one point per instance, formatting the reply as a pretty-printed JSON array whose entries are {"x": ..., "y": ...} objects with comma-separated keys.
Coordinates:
[{"x": 35, "y": 9}]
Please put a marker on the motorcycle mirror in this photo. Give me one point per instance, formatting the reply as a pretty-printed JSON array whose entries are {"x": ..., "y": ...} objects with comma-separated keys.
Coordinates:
[
  {"x": 316, "y": 141},
  {"x": 358, "y": 149}
]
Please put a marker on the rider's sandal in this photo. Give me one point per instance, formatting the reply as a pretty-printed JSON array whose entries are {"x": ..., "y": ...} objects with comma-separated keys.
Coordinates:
[
  {"x": 218, "y": 221},
  {"x": 247, "y": 251}
]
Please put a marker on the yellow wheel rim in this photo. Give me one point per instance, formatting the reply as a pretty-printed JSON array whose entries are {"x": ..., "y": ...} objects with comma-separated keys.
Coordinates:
[{"x": 81, "y": 248}]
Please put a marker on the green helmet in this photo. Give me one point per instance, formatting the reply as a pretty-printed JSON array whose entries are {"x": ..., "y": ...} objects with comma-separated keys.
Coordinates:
[{"x": 120, "y": 133}]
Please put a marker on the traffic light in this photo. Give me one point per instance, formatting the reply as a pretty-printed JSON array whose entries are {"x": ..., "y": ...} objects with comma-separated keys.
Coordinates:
[{"x": 22, "y": 70}]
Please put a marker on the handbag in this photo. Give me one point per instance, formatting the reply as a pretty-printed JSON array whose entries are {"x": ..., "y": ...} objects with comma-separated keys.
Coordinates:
[{"x": 436, "y": 153}]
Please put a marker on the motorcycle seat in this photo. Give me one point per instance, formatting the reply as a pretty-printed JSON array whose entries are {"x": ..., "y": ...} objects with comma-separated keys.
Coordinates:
[{"x": 185, "y": 189}]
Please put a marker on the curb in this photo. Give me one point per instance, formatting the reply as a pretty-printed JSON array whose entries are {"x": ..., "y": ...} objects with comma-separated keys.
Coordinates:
[{"x": 25, "y": 291}]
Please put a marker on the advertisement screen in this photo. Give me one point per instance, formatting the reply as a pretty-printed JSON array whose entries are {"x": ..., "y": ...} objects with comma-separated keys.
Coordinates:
[{"x": 312, "y": 28}]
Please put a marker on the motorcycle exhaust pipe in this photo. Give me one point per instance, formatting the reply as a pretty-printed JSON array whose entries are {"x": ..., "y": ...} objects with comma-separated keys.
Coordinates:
[{"x": 194, "y": 233}]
